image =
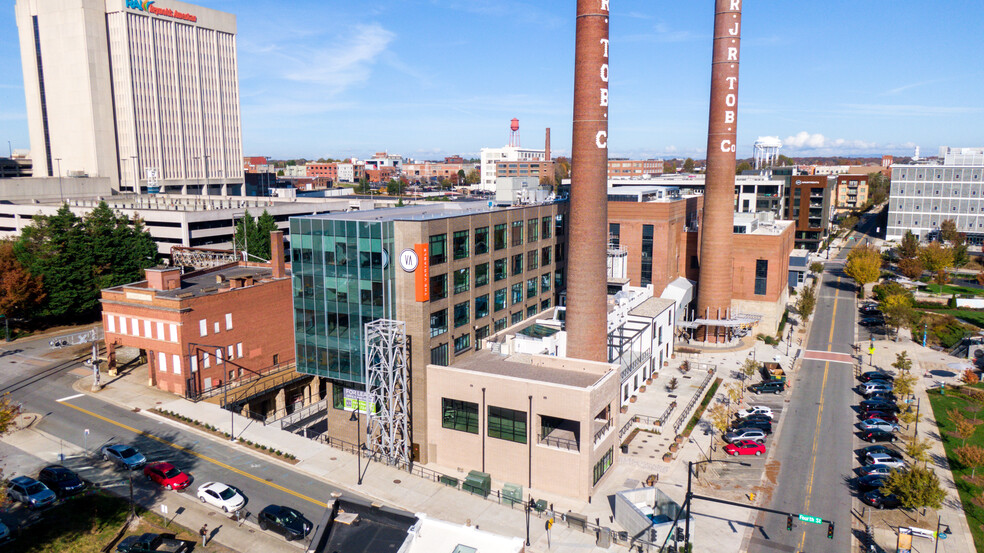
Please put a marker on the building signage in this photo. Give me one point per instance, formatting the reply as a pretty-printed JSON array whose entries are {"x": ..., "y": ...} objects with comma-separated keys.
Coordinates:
[
  {"x": 409, "y": 260},
  {"x": 357, "y": 400},
  {"x": 422, "y": 275},
  {"x": 149, "y": 7}
]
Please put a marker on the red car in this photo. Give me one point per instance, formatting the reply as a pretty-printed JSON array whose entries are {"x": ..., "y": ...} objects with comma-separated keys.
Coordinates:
[
  {"x": 167, "y": 475},
  {"x": 745, "y": 447},
  {"x": 885, "y": 416}
]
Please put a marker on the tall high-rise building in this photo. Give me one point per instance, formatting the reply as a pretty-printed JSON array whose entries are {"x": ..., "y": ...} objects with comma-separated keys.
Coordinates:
[{"x": 132, "y": 91}]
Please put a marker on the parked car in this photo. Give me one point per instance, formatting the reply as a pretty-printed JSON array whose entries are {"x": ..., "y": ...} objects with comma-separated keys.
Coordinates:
[
  {"x": 887, "y": 397},
  {"x": 884, "y": 459},
  {"x": 30, "y": 492},
  {"x": 745, "y": 447},
  {"x": 885, "y": 416},
  {"x": 124, "y": 456},
  {"x": 284, "y": 520},
  {"x": 4, "y": 532},
  {"x": 883, "y": 470},
  {"x": 871, "y": 321},
  {"x": 152, "y": 543},
  {"x": 167, "y": 475},
  {"x": 770, "y": 387},
  {"x": 756, "y": 410},
  {"x": 886, "y": 449},
  {"x": 878, "y": 424},
  {"x": 743, "y": 434},
  {"x": 764, "y": 426},
  {"x": 869, "y": 309},
  {"x": 875, "y": 387},
  {"x": 879, "y": 500},
  {"x": 879, "y": 436},
  {"x": 875, "y": 375},
  {"x": 878, "y": 405},
  {"x": 222, "y": 496},
  {"x": 871, "y": 482},
  {"x": 61, "y": 480},
  {"x": 739, "y": 421}
]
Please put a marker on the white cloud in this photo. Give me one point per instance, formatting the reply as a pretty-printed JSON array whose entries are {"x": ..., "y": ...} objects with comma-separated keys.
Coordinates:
[
  {"x": 339, "y": 65},
  {"x": 805, "y": 139}
]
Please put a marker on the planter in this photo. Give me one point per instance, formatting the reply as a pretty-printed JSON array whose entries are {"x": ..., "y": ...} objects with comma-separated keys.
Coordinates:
[
  {"x": 679, "y": 438},
  {"x": 624, "y": 409},
  {"x": 667, "y": 457},
  {"x": 674, "y": 448},
  {"x": 642, "y": 389},
  {"x": 649, "y": 381},
  {"x": 672, "y": 356},
  {"x": 666, "y": 363},
  {"x": 632, "y": 399}
]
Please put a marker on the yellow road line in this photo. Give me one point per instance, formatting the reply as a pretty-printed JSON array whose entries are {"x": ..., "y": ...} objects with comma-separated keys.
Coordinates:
[{"x": 206, "y": 458}]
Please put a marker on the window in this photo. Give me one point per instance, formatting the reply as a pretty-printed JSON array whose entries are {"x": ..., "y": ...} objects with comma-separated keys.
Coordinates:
[
  {"x": 499, "y": 300},
  {"x": 482, "y": 332},
  {"x": 439, "y": 287},
  {"x": 694, "y": 264},
  {"x": 559, "y": 225},
  {"x": 482, "y": 306},
  {"x": 516, "y": 317},
  {"x": 481, "y": 240},
  {"x": 462, "y": 343},
  {"x": 531, "y": 287},
  {"x": 761, "y": 276},
  {"x": 545, "y": 282},
  {"x": 559, "y": 280},
  {"x": 439, "y": 322},
  {"x": 647, "y": 255},
  {"x": 499, "y": 269},
  {"x": 499, "y": 324},
  {"x": 337, "y": 396},
  {"x": 459, "y": 415},
  {"x": 459, "y": 244},
  {"x": 481, "y": 274},
  {"x": 545, "y": 225},
  {"x": 517, "y": 264},
  {"x": 532, "y": 261},
  {"x": 507, "y": 424},
  {"x": 202, "y": 327},
  {"x": 602, "y": 466},
  {"x": 517, "y": 293},
  {"x": 532, "y": 226},
  {"x": 545, "y": 304},
  {"x": 545, "y": 256},
  {"x": 461, "y": 277},
  {"x": 438, "y": 249},
  {"x": 499, "y": 237},
  {"x": 531, "y": 311},
  {"x": 613, "y": 234},
  {"x": 228, "y": 321},
  {"x": 559, "y": 252},
  {"x": 439, "y": 355},
  {"x": 461, "y": 314},
  {"x": 516, "y": 234}
]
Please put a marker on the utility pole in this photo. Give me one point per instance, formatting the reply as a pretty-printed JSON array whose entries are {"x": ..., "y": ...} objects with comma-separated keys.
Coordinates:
[{"x": 60, "y": 193}]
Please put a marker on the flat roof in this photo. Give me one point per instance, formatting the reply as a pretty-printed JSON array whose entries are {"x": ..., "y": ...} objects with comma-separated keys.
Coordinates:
[
  {"x": 359, "y": 528},
  {"x": 521, "y": 366},
  {"x": 652, "y": 307},
  {"x": 203, "y": 283},
  {"x": 420, "y": 212}
]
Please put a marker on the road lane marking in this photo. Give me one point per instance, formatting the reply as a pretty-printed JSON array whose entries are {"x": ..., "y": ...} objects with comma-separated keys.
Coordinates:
[
  {"x": 68, "y": 398},
  {"x": 206, "y": 458}
]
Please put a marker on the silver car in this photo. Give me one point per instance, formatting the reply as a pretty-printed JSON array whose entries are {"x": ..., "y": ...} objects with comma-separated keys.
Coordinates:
[
  {"x": 30, "y": 492},
  {"x": 739, "y": 434}
]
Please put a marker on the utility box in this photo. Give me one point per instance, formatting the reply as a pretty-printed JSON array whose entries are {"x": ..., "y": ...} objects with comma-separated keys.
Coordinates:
[
  {"x": 772, "y": 372},
  {"x": 478, "y": 483},
  {"x": 512, "y": 494}
]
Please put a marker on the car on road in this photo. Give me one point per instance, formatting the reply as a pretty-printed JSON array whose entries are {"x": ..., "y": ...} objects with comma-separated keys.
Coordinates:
[
  {"x": 883, "y": 470},
  {"x": 745, "y": 447},
  {"x": 875, "y": 375},
  {"x": 885, "y": 416},
  {"x": 745, "y": 434},
  {"x": 123, "y": 456},
  {"x": 764, "y": 426},
  {"x": 884, "y": 459},
  {"x": 770, "y": 387},
  {"x": 284, "y": 520},
  {"x": 878, "y": 424},
  {"x": 886, "y": 449},
  {"x": 167, "y": 476},
  {"x": 153, "y": 543},
  {"x": 222, "y": 496},
  {"x": 756, "y": 410},
  {"x": 879, "y": 436},
  {"x": 61, "y": 480},
  {"x": 871, "y": 482},
  {"x": 879, "y": 500},
  {"x": 878, "y": 405},
  {"x": 30, "y": 492}
]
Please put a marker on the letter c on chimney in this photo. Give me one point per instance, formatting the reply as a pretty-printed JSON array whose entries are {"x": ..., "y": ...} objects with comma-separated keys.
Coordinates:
[
  {"x": 727, "y": 146},
  {"x": 601, "y": 139}
]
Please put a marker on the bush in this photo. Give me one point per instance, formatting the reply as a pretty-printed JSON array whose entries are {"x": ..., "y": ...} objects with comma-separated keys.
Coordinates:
[
  {"x": 969, "y": 376},
  {"x": 949, "y": 333}
]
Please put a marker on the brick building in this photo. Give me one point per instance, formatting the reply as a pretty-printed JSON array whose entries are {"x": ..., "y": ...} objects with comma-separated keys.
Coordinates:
[
  {"x": 851, "y": 191},
  {"x": 629, "y": 168},
  {"x": 327, "y": 171}
]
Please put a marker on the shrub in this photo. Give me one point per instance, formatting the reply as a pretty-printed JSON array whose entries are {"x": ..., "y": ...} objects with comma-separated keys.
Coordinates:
[{"x": 969, "y": 376}]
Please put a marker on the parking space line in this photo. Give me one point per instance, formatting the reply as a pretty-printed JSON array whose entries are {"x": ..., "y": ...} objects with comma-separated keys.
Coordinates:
[{"x": 68, "y": 398}]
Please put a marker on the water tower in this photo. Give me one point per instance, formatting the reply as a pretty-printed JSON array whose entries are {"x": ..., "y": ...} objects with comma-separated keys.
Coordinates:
[
  {"x": 514, "y": 133},
  {"x": 767, "y": 151}
]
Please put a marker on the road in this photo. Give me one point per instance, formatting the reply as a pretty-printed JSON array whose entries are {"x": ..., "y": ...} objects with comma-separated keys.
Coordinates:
[{"x": 816, "y": 446}]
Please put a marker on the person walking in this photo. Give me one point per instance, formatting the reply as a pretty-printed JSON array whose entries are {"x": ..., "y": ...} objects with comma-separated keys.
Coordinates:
[{"x": 203, "y": 533}]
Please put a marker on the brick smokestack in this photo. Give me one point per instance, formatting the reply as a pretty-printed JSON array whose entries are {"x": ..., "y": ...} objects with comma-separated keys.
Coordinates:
[
  {"x": 587, "y": 305},
  {"x": 277, "y": 253},
  {"x": 546, "y": 146},
  {"x": 716, "y": 247}
]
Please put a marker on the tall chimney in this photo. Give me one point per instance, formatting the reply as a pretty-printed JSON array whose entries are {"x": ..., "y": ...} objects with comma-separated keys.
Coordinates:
[
  {"x": 587, "y": 312},
  {"x": 277, "y": 253},
  {"x": 546, "y": 146},
  {"x": 716, "y": 253}
]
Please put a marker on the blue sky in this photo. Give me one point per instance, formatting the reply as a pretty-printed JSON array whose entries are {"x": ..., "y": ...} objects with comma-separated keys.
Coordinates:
[{"x": 429, "y": 78}]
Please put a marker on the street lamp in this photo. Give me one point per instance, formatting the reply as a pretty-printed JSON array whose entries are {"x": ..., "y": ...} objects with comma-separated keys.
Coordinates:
[
  {"x": 358, "y": 436},
  {"x": 60, "y": 193},
  {"x": 689, "y": 497}
]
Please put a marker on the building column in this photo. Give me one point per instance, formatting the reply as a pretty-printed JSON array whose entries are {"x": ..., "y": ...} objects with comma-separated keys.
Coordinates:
[
  {"x": 313, "y": 386},
  {"x": 152, "y": 368},
  {"x": 280, "y": 402},
  {"x": 111, "y": 358}
]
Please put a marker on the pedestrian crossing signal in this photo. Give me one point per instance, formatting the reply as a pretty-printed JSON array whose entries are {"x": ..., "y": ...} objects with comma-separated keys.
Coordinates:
[{"x": 830, "y": 531}]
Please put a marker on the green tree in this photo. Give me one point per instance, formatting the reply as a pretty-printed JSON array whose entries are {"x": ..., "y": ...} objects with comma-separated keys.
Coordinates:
[
  {"x": 937, "y": 259},
  {"x": 742, "y": 167},
  {"x": 905, "y": 384},
  {"x": 688, "y": 165},
  {"x": 917, "y": 449},
  {"x": 902, "y": 362},
  {"x": 878, "y": 188},
  {"x": 395, "y": 187},
  {"x": 848, "y": 222},
  {"x": 20, "y": 291},
  {"x": 863, "y": 265},
  {"x": 971, "y": 456},
  {"x": 907, "y": 414},
  {"x": 807, "y": 300},
  {"x": 816, "y": 267},
  {"x": 473, "y": 177},
  {"x": 915, "y": 488},
  {"x": 784, "y": 161},
  {"x": 749, "y": 369},
  {"x": 948, "y": 231},
  {"x": 461, "y": 176},
  {"x": 669, "y": 167},
  {"x": 253, "y": 235},
  {"x": 909, "y": 247},
  {"x": 898, "y": 311}
]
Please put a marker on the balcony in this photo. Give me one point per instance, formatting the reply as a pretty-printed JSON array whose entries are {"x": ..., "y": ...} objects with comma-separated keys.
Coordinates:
[
  {"x": 559, "y": 433},
  {"x": 602, "y": 430},
  {"x": 631, "y": 361}
]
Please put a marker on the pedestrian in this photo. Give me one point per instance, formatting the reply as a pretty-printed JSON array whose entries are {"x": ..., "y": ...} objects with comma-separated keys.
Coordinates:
[{"x": 203, "y": 533}]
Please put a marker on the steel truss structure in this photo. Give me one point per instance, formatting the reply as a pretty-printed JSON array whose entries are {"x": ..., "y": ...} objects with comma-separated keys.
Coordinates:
[
  {"x": 202, "y": 258},
  {"x": 388, "y": 387}
]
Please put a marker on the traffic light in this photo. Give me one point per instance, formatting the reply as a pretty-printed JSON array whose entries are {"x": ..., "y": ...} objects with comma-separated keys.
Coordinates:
[
  {"x": 679, "y": 534},
  {"x": 830, "y": 530},
  {"x": 789, "y": 522}
]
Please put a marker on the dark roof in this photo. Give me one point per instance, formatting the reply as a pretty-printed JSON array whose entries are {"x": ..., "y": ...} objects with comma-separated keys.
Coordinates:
[{"x": 374, "y": 530}]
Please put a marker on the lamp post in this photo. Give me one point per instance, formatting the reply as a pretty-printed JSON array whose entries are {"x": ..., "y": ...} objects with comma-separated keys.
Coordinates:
[
  {"x": 358, "y": 436},
  {"x": 686, "y": 502},
  {"x": 60, "y": 193}
]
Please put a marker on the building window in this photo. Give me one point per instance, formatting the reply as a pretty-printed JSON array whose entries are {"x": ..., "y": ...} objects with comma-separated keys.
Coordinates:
[
  {"x": 614, "y": 229},
  {"x": 531, "y": 287},
  {"x": 694, "y": 264},
  {"x": 545, "y": 226},
  {"x": 461, "y": 314},
  {"x": 559, "y": 225},
  {"x": 439, "y": 322},
  {"x": 337, "y": 396},
  {"x": 517, "y": 293},
  {"x": 545, "y": 304},
  {"x": 559, "y": 280},
  {"x": 439, "y": 355},
  {"x": 517, "y": 264},
  {"x": 516, "y": 234},
  {"x": 545, "y": 256},
  {"x": 462, "y": 343},
  {"x": 499, "y": 269},
  {"x": 438, "y": 249},
  {"x": 531, "y": 230},
  {"x": 481, "y": 241},
  {"x": 439, "y": 287},
  {"x": 482, "y": 332},
  {"x": 545, "y": 282},
  {"x": 481, "y": 274},
  {"x": 516, "y": 317},
  {"x": 499, "y": 300},
  {"x": 507, "y": 424},
  {"x": 499, "y": 237},
  {"x": 459, "y": 242},
  {"x": 761, "y": 276},
  {"x": 647, "y": 255},
  {"x": 602, "y": 466},
  {"x": 532, "y": 261},
  {"x": 499, "y": 324},
  {"x": 559, "y": 252},
  {"x": 482, "y": 306},
  {"x": 461, "y": 280},
  {"x": 531, "y": 311},
  {"x": 459, "y": 415}
]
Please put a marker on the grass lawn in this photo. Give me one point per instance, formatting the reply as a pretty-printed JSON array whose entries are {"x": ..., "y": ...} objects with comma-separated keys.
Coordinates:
[
  {"x": 972, "y": 316},
  {"x": 950, "y": 289},
  {"x": 968, "y": 491}
]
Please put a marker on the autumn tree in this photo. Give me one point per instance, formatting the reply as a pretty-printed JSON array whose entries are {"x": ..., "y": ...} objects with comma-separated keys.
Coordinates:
[
  {"x": 688, "y": 165},
  {"x": 904, "y": 385},
  {"x": 911, "y": 268},
  {"x": 473, "y": 177},
  {"x": 735, "y": 392},
  {"x": 937, "y": 258},
  {"x": 863, "y": 265},
  {"x": 980, "y": 277},
  {"x": 669, "y": 167},
  {"x": 749, "y": 369},
  {"x": 971, "y": 456},
  {"x": 908, "y": 415},
  {"x": 902, "y": 362},
  {"x": 720, "y": 417},
  {"x": 898, "y": 311},
  {"x": 917, "y": 449},
  {"x": 962, "y": 428},
  {"x": 948, "y": 231},
  {"x": 8, "y": 413},
  {"x": 20, "y": 292},
  {"x": 915, "y": 488},
  {"x": 969, "y": 377},
  {"x": 806, "y": 301}
]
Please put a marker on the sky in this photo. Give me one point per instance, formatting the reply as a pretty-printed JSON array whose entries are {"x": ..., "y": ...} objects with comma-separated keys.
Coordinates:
[{"x": 431, "y": 78}]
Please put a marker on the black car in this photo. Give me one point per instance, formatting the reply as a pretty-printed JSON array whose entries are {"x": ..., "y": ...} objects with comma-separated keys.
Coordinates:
[
  {"x": 878, "y": 436},
  {"x": 741, "y": 421},
  {"x": 764, "y": 426},
  {"x": 875, "y": 375},
  {"x": 770, "y": 387},
  {"x": 878, "y": 405},
  {"x": 869, "y": 309},
  {"x": 879, "y": 500},
  {"x": 284, "y": 520},
  {"x": 871, "y": 482},
  {"x": 871, "y": 321},
  {"x": 61, "y": 480},
  {"x": 153, "y": 543},
  {"x": 887, "y": 397}
]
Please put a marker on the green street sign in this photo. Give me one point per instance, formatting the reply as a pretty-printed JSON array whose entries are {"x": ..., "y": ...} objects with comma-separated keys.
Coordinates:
[{"x": 811, "y": 519}]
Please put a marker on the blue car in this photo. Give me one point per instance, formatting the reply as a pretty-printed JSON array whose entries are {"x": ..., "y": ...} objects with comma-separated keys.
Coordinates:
[
  {"x": 30, "y": 492},
  {"x": 124, "y": 456}
]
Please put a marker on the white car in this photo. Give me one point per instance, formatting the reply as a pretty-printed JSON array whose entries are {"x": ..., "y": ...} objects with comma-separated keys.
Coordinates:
[
  {"x": 884, "y": 459},
  {"x": 219, "y": 495},
  {"x": 878, "y": 424},
  {"x": 755, "y": 410}
]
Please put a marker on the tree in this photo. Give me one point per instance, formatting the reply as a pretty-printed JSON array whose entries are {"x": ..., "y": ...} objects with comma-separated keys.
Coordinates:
[
  {"x": 807, "y": 300},
  {"x": 911, "y": 267},
  {"x": 742, "y": 167},
  {"x": 902, "y": 362},
  {"x": 960, "y": 255},
  {"x": 909, "y": 247},
  {"x": 917, "y": 449},
  {"x": 816, "y": 267},
  {"x": 937, "y": 259},
  {"x": 849, "y": 222},
  {"x": 672, "y": 384},
  {"x": 720, "y": 418},
  {"x": 980, "y": 277},
  {"x": 971, "y": 456},
  {"x": 948, "y": 231},
  {"x": 688, "y": 165},
  {"x": 905, "y": 384},
  {"x": 908, "y": 415},
  {"x": 473, "y": 177},
  {"x": 969, "y": 377},
  {"x": 735, "y": 392},
  {"x": 962, "y": 428},
  {"x": 395, "y": 187},
  {"x": 784, "y": 161},
  {"x": 20, "y": 292},
  {"x": 915, "y": 488},
  {"x": 461, "y": 176},
  {"x": 749, "y": 369},
  {"x": 669, "y": 167},
  {"x": 8, "y": 413},
  {"x": 280, "y": 173},
  {"x": 863, "y": 265},
  {"x": 562, "y": 169},
  {"x": 898, "y": 311}
]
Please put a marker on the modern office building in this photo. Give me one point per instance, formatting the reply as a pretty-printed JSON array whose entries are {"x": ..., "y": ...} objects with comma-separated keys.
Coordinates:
[
  {"x": 925, "y": 194},
  {"x": 137, "y": 92},
  {"x": 809, "y": 200}
]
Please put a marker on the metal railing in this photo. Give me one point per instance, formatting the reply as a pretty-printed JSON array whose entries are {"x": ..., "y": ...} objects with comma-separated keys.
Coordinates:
[
  {"x": 693, "y": 401},
  {"x": 240, "y": 382},
  {"x": 602, "y": 431},
  {"x": 301, "y": 414},
  {"x": 625, "y": 428},
  {"x": 635, "y": 363},
  {"x": 263, "y": 384},
  {"x": 560, "y": 443}
]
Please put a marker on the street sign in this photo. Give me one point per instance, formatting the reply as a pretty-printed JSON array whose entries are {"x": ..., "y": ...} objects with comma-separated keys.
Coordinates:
[{"x": 811, "y": 519}]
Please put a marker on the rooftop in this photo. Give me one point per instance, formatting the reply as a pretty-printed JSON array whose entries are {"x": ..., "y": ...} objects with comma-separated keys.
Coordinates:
[
  {"x": 205, "y": 282},
  {"x": 652, "y": 307},
  {"x": 421, "y": 212},
  {"x": 359, "y": 528},
  {"x": 526, "y": 367},
  {"x": 437, "y": 536}
]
